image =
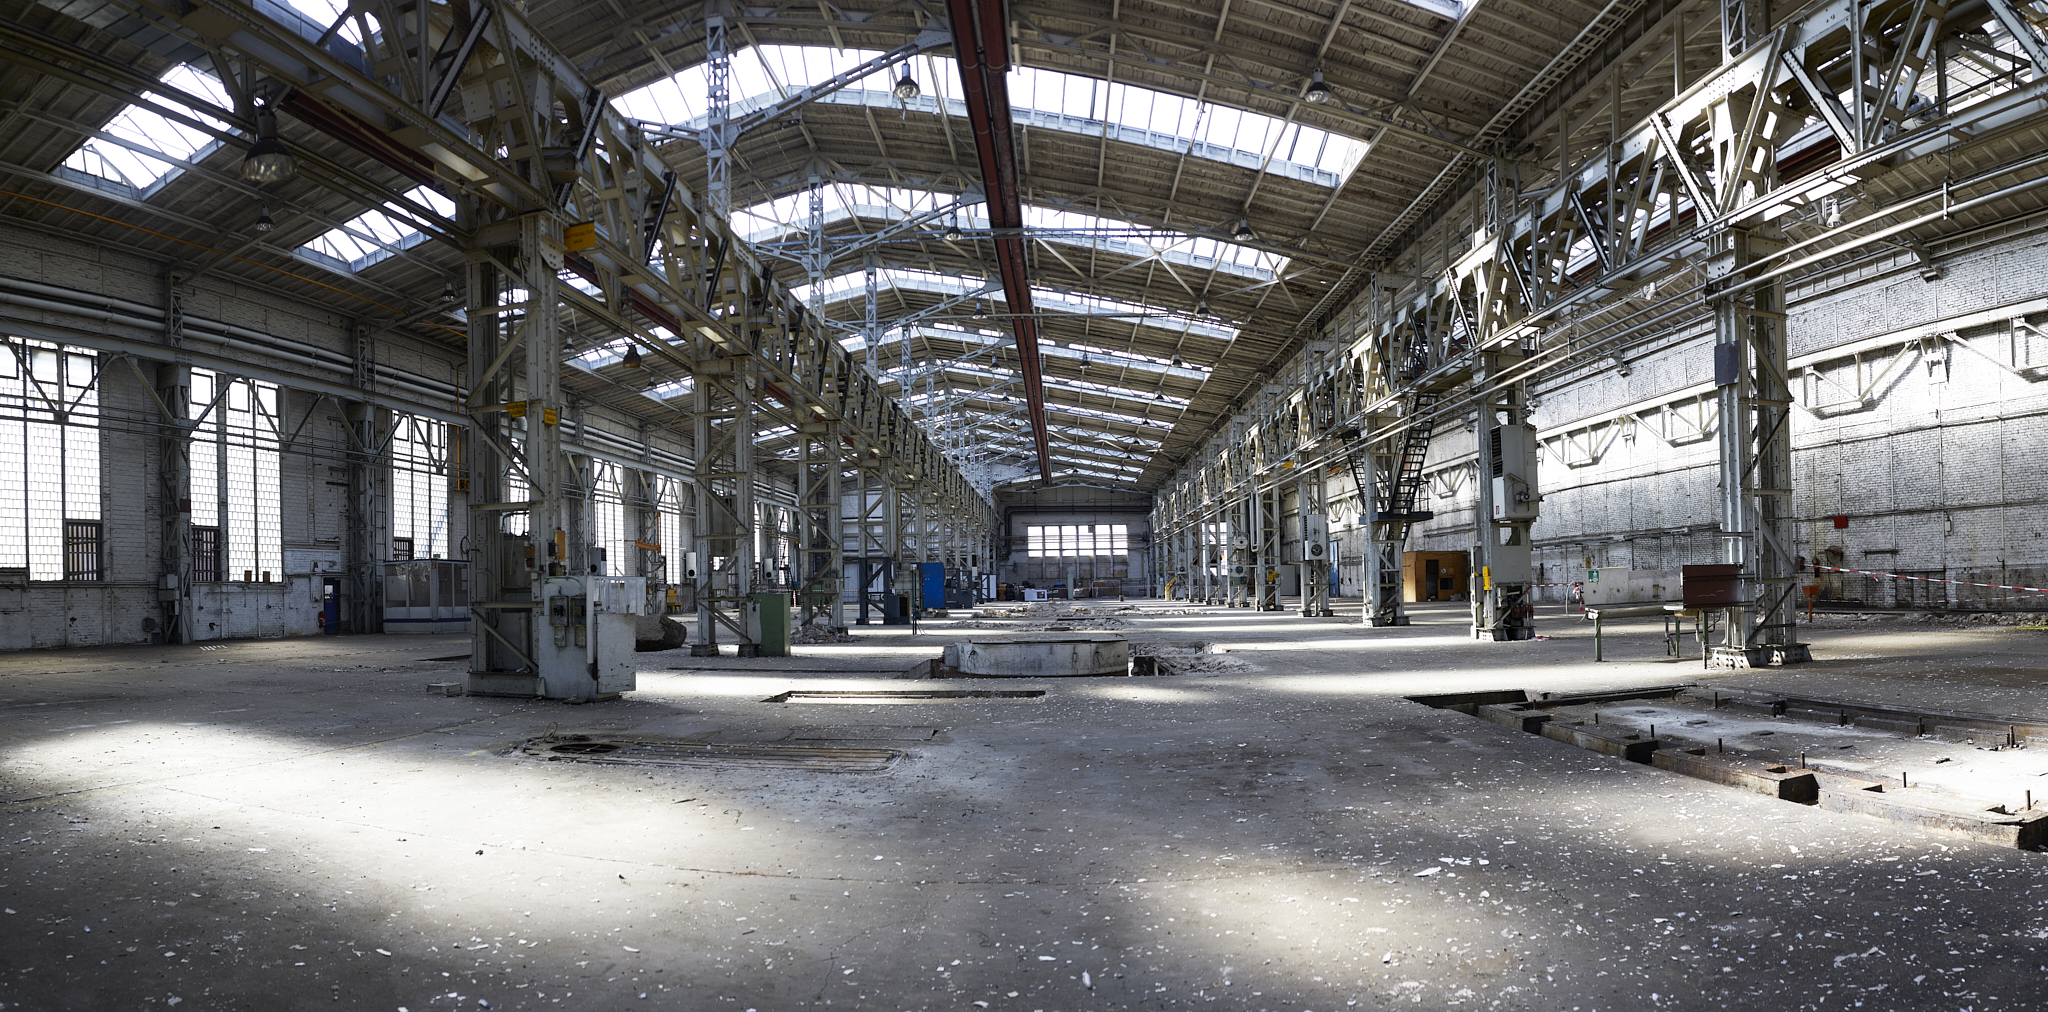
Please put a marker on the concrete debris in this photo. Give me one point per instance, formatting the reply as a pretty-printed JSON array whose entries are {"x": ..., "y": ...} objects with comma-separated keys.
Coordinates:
[
  {"x": 659, "y": 632},
  {"x": 815, "y": 634}
]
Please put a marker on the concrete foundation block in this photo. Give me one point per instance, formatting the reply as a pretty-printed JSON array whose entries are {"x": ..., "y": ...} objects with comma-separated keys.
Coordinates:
[
  {"x": 1516, "y": 715},
  {"x": 1613, "y": 741},
  {"x": 1945, "y": 814},
  {"x": 1787, "y": 783}
]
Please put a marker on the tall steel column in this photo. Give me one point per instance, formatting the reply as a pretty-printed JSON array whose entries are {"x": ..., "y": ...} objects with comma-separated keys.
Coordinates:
[
  {"x": 1386, "y": 535},
  {"x": 871, "y": 326},
  {"x": 717, "y": 134},
  {"x": 1313, "y": 516},
  {"x": 1266, "y": 515},
  {"x": 818, "y": 506},
  {"x": 1237, "y": 564},
  {"x": 1502, "y": 567},
  {"x": 369, "y": 474},
  {"x": 501, "y": 552},
  {"x": 723, "y": 416},
  {"x": 174, "y": 473},
  {"x": 1755, "y": 399}
]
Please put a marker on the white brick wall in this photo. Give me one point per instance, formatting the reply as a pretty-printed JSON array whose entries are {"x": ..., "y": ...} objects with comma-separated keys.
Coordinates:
[{"x": 1943, "y": 476}]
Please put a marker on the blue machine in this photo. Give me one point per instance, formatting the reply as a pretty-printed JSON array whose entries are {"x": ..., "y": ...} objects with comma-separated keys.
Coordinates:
[{"x": 934, "y": 584}]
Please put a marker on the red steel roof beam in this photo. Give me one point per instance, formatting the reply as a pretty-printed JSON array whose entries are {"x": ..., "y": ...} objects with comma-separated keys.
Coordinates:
[{"x": 981, "y": 48}]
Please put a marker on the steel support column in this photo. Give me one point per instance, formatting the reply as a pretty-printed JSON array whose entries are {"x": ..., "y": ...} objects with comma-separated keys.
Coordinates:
[
  {"x": 1265, "y": 507},
  {"x": 174, "y": 473},
  {"x": 1313, "y": 517},
  {"x": 1502, "y": 567},
  {"x": 1755, "y": 400}
]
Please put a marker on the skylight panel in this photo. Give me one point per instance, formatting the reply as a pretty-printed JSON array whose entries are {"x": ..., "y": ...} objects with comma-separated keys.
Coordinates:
[
  {"x": 787, "y": 219},
  {"x": 140, "y": 148},
  {"x": 375, "y": 234},
  {"x": 1038, "y": 97},
  {"x": 853, "y": 282}
]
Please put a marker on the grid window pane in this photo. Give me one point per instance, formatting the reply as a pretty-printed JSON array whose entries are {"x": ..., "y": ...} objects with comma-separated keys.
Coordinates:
[
  {"x": 419, "y": 486},
  {"x": 608, "y": 517},
  {"x": 82, "y": 550},
  {"x": 235, "y": 475},
  {"x": 49, "y": 453}
]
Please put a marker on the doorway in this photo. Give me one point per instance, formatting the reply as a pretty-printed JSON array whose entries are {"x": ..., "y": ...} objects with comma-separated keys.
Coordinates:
[{"x": 330, "y": 606}]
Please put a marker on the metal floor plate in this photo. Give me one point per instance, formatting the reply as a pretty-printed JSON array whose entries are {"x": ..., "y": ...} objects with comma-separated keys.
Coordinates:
[
  {"x": 898, "y": 695},
  {"x": 648, "y": 752}
]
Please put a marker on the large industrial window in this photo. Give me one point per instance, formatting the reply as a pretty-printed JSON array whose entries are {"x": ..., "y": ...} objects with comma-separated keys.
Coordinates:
[
  {"x": 1077, "y": 541},
  {"x": 235, "y": 475},
  {"x": 669, "y": 497},
  {"x": 419, "y": 487},
  {"x": 1095, "y": 556},
  {"x": 49, "y": 453},
  {"x": 609, "y": 530}
]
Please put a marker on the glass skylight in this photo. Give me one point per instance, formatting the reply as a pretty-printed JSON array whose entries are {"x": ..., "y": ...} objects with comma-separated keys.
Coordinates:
[
  {"x": 980, "y": 371},
  {"x": 787, "y": 219},
  {"x": 138, "y": 148},
  {"x": 852, "y": 284},
  {"x": 375, "y": 234},
  {"x": 1051, "y": 99}
]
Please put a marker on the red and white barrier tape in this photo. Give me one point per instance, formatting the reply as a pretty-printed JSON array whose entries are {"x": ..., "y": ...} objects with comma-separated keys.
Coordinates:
[{"x": 2036, "y": 591}]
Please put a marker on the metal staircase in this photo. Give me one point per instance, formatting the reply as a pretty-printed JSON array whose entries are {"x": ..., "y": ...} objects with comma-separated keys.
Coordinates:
[
  {"x": 1397, "y": 502},
  {"x": 1390, "y": 485}
]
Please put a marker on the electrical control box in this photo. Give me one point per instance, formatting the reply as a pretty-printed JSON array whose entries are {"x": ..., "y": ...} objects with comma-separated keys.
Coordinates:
[
  {"x": 1514, "y": 472},
  {"x": 1315, "y": 537}
]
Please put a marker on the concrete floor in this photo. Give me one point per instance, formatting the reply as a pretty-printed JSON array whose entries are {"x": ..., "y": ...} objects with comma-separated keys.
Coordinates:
[{"x": 297, "y": 824}]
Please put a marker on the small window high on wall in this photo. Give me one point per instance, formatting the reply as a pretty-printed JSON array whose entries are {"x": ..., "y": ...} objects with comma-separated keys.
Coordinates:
[
  {"x": 235, "y": 476},
  {"x": 49, "y": 457}
]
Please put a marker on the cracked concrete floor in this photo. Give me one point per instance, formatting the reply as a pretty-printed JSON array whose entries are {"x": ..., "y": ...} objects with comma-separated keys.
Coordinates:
[{"x": 297, "y": 824}]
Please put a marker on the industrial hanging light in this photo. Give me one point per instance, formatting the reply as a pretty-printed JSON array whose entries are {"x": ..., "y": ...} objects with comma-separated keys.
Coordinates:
[
  {"x": 907, "y": 89},
  {"x": 1833, "y": 210},
  {"x": 447, "y": 291},
  {"x": 632, "y": 356},
  {"x": 980, "y": 311},
  {"x": 953, "y": 232},
  {"x": 263, "y": 222},
  {"x": 1317, "y": 92},
  {"x": 1244, "y": 231},
  {"x": 1201, "y": 307},
  {"x": 268, "y": 160}
]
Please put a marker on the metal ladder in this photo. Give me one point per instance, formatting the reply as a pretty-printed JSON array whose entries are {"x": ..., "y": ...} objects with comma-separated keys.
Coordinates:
[{"x": 1408, "y": 479}]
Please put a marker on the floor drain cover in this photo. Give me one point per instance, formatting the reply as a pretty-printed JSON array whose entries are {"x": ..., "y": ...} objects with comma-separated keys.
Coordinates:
[
  {"x": 899, "y": 695},
  {"x": 863, "y": 733},
  {"x": 642, "y": 752}
]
